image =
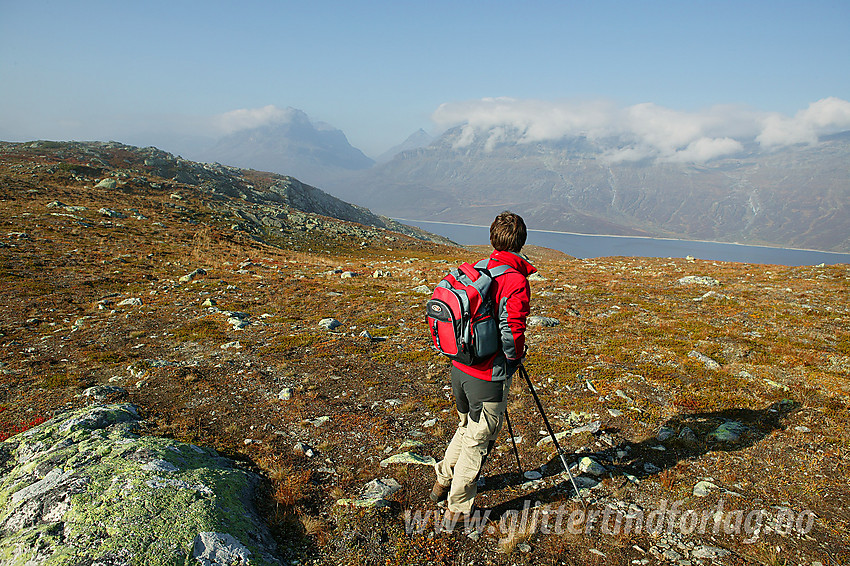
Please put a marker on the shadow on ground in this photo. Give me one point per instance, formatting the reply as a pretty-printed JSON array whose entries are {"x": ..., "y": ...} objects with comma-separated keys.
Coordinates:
[{"x": 684, "y": 437}]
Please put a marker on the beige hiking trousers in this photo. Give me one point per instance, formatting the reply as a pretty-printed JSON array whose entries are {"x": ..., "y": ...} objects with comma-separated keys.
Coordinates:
[{"x": 467, "y": 451}]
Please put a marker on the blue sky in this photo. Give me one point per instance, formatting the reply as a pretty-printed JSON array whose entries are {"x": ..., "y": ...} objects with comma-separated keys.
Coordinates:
[{"x": 151, "y": 72}]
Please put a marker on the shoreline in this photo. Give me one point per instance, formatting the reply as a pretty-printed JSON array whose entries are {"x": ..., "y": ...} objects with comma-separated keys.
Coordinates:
[{"x": 652, "y": 238}]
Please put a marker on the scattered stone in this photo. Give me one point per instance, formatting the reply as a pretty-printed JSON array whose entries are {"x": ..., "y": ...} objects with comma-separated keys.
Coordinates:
[
  {"x": 377, "y": 491},
  {"x": 101, "y": 392},
  {"x": 698, "y": 280},
  {"x": 176, "y": 196},
  {"x": 524, "y": 547},
  {"x": 631, "y": 478},
  {"x": 704, "y": 360},
  {"x": 615, "y": 413},
  {"x": 408, "y": 458},
  {"x": 704, "y": 488},
  {"x": 378, "y": 273},
  {"x": 532, "y": 475},
  {"x": 650, "y": 468},
  {"x": 108, "y": 183},
  {"x": 422, "y": 290},
  {"x": 429, "y": 423},
  {"x": 131, "y": 302},
  {"x": 597, "y": 552},
  {"x": 285, "y": 394},
  {"x": 232, "y": 345},
  {"x": 730, "y": 431},
  {"x": 709, "y": 295},
  {"x": 708, "y": 552},
  {"x": 301, "y": 448},
  {"x": 776, "y": 385},
  {"x": 209, "y": 303},
  {"x": 329, "y": 323},
  {"x": 318, "y": 421},
  {"x": 665, "y": 434},
  {"x": 111, "y": 213},
  {"x": 803, "y": 429},
  {"x": 347, "y": 275},
  {"x": 542, "y": 321},
  {"x": 592, "y": 428},
  {"x": 191, "y": 276},
  {"x": 622, "y": 395},
  {"x": 548, "y": 439},
  {"x": 589, "y": 466}
]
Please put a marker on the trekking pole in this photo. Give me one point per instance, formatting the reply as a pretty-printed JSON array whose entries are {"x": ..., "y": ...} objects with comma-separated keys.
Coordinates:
[
  {"x": 551, "y": 432},
  {"x": 513, "y": 440}
]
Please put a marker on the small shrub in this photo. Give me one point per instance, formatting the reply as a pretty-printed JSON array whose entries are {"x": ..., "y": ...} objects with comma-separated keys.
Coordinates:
[{"x": 199, "y": 330}]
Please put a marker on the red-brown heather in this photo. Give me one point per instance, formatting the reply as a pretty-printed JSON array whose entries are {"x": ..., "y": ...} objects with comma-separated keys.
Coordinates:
[{"x": 623, "y": 354}]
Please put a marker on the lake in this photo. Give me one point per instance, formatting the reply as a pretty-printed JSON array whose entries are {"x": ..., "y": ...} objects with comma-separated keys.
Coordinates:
[{"x": 591, "y": 245}]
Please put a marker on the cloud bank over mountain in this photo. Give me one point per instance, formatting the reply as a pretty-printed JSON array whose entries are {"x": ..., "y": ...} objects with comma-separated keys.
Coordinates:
[
  {"x": 641, "y": 131},
  {"x": 251, "y": 118}
]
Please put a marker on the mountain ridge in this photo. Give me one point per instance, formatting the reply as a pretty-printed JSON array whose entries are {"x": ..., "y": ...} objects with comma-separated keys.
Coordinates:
[{"x": 794, "y": 196}]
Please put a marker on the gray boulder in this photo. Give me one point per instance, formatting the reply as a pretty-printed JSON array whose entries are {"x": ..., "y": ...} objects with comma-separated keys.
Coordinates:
[
  {"x": 108, "y": 183},
  {"x": 542, "y": 321},
  {"x": 84, "y": 488},
  {"x": 329, "y": 323}
]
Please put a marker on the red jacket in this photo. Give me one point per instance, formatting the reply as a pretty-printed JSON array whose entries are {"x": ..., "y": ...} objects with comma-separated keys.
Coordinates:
[{"x": 511, "y": 295}]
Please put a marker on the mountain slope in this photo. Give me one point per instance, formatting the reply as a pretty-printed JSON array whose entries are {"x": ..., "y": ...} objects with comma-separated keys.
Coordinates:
[
  {"x": 796, "y": 196},
  {"x": 275, "y": 209}
]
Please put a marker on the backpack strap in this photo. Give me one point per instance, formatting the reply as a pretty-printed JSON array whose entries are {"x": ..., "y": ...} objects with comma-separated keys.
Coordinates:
[{"x": 500, "y": 269}]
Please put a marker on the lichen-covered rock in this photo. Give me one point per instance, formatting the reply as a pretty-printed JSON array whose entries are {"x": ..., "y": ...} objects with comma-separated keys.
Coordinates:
[
  {"x": 84, "y": 488},
  {"x": 408, "y": 458},
  {"x": 698, "y": 280},
  {"x": 730, "y": 431}
]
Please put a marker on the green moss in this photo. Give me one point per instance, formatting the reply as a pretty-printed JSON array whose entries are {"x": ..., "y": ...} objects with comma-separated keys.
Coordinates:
[{"x": 145, "y": 498}]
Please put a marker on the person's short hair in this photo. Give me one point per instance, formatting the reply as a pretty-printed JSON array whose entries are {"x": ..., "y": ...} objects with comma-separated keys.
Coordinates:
[{"x": 507, "y": 232}]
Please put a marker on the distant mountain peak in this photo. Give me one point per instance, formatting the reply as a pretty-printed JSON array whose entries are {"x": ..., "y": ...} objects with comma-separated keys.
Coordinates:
[
  {"x": 419, "y": 138},
  {"x": 288, "y": 142}
]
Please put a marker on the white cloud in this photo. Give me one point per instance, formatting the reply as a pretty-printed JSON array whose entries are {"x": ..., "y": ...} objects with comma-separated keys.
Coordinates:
[
  {"x": 247, "y": 118},
  {"x": 826, "y": 116},
  {"x": 640, "y": 131},
  {"x": 706, "y": 149}
]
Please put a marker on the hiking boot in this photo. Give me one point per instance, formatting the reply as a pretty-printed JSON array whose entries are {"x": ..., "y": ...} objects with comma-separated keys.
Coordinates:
[
  {"x": 439, "y": 492},
  {"x": 452, "y": 519}
]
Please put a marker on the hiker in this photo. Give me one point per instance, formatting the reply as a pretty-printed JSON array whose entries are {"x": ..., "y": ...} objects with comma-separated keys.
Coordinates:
[{"x": 481, "y": 390}]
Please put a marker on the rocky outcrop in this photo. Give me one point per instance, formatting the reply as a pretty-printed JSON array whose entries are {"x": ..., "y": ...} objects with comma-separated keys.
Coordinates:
[{"x": 85, "y": 488}]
